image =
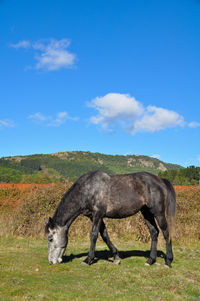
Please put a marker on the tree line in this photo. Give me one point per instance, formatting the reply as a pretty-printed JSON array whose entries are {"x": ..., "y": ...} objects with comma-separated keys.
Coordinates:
[{"x": 183, "y": 176}]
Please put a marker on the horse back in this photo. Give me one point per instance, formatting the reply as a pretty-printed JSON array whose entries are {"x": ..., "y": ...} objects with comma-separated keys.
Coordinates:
[{"x": 119, "y": 196}]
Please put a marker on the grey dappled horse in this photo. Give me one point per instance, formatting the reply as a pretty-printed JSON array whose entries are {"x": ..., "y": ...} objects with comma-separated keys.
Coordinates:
[{"x": 98, "y": 195}]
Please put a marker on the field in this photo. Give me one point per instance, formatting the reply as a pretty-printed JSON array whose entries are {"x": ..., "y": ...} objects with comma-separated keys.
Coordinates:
[{"x": 26, "y": 274}]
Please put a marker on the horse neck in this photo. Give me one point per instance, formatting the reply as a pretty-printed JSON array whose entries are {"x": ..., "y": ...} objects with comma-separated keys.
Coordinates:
[{"x": 67, "y": 211}]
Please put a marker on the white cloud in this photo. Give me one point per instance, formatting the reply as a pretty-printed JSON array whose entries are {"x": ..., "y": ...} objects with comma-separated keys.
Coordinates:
[
  {"x": 54, "y": 55},
  {"x": 122, "y": 109},
  {"x": 50, "y": 54},
  {"x": 156, "y": 156},
  {"x": 7, "y": 123},
  {"x": 194, "y": 124},
  {"x": 155, "y": 119},
  {"x": 60, "y": 119},
  {"x": 22, "y": 44},
  {"x": 115, "y": 107},
  {"x": 38, "y": 117}
]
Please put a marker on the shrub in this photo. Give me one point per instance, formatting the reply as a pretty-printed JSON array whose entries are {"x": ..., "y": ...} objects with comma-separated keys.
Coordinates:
[
  {"x": 40, "y": 201},
  {"x": 36, "y": 203}
]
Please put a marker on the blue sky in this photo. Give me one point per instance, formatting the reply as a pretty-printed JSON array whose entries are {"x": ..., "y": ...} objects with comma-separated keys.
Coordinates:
[{"x": 116, "y": 77}]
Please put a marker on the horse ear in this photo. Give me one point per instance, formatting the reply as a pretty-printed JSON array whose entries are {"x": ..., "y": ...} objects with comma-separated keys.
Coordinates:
[
  {"x": 46, "y": 220},
  {"x": 51, "y": 223}
]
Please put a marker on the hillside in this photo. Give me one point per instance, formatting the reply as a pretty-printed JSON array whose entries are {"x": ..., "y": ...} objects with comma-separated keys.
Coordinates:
[{"x": 69, "y": 166}]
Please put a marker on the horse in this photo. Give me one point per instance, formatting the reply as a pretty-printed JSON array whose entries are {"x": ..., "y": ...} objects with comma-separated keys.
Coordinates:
[{"x": 99, "y": 195}]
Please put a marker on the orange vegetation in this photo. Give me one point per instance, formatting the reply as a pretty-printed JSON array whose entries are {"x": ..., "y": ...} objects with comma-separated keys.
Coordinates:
[
  {"x": 186, "y": 187},
  {"x": 22, "y": 186},
  {"x": 25, "y": 186},
  {"x": 12, "y": 195}
]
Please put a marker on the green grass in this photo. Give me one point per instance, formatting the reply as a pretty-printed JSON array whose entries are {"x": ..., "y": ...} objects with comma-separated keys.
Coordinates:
[{"x": 25, "y": 273}]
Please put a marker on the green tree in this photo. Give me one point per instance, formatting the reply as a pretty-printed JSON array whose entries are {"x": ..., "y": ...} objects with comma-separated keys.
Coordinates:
[{"x": 9, "y": 175}]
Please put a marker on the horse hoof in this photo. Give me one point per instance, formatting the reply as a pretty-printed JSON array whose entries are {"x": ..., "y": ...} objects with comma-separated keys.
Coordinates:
[
  {"x": 117, "y": 261},
  {"x": 83, "y": 263},
  {"x": 150, "y": 261},
  {"x": 167, "y": 266},
  {"x": 147, "y": 264}
]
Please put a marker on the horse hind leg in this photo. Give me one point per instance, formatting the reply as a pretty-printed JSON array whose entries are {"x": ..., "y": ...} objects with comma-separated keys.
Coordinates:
[
  {"x": 162, "y": 222},
  {"x": 106, "y": 239},
  {"x": 153, "y": 229}
]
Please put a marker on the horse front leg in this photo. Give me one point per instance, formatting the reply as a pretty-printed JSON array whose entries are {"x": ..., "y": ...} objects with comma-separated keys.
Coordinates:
[{"x": 93, "y": 238}]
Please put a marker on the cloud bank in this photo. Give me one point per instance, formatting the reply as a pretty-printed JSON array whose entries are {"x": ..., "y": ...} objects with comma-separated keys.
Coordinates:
[
  {"x": 50, "y": 54},
  {"x": 123, "y": 110}
]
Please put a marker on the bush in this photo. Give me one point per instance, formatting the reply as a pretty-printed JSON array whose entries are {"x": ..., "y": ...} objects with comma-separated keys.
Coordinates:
[
  {"x": 40, "y": 202},
  {"x": 36, "y": 204}
]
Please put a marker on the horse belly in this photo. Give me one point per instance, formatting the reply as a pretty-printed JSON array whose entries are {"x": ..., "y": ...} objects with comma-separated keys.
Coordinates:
[{"x": 124, "y": 208}]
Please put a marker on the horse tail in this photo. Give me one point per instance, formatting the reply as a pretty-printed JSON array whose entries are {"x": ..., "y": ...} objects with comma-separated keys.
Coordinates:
[{"x": 170, "y": 207}]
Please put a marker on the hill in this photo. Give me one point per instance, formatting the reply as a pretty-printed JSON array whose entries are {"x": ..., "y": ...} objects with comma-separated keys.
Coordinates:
[{"x": 69, "y": 165}]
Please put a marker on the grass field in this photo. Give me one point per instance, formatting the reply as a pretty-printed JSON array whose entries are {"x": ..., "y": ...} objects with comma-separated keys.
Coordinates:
[{"x": 26, "y": 274}]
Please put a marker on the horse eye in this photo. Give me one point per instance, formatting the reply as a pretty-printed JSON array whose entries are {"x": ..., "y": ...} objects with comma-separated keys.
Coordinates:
[{"x": 50, "y": 239}]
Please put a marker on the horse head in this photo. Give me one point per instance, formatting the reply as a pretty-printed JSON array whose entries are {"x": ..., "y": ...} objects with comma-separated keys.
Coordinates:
[{"x": 57, "y": 238}]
